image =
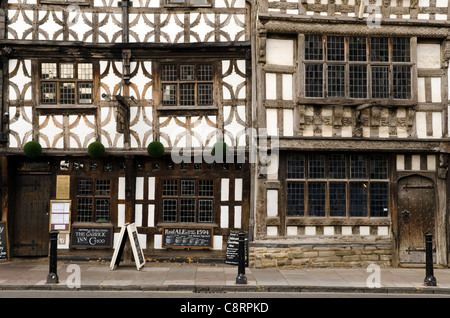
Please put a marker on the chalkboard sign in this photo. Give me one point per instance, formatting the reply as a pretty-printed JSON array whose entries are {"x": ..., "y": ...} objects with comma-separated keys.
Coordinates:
[
  {"x": 91, "y": 237},
  {"x": 180, "y": 237},
  {"x": 130, "y": 231},
  {"x": 4, "y": 254},
  {"x": 232, "y": 253}
]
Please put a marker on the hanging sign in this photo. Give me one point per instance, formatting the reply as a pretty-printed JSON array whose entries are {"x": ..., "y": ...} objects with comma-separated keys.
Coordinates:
[{"x": 130, "y": 231}]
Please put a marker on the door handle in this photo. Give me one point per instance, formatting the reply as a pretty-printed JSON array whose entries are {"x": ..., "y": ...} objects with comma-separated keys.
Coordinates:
[{"x": 406, "y": 215}]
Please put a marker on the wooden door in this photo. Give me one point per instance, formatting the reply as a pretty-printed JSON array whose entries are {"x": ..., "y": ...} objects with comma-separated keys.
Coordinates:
[
  {"x": 416, "y": 208},
  {"x": 31, "y": 220}
]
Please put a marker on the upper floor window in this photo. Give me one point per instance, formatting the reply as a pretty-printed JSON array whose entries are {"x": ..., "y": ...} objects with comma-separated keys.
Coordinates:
[
  {"x": 191, "y": 3},
  {"x": 357, "y": 67},
  {"x": 65, "y": 2},
  {"x": 187, "y": 84},
  {"x": 66, "y": 83}
]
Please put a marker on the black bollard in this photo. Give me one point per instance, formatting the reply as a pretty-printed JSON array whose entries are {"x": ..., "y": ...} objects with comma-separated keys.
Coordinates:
[
  {"x": 241, "y": 279},
  {"x": 52, "y": 277},
  {"x": 430, "y": 280}
]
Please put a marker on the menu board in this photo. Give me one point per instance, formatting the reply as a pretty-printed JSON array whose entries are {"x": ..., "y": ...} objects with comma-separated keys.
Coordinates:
[
  {"x": 178, "y": 237},
  {"x": 60, "y": 215},
  {"x": 130, "y": 231},
  {"x": 4, "y": 255}
]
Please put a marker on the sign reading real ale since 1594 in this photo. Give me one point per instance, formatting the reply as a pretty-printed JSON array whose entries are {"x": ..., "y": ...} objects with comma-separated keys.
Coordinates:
[{"x": 174, "y": 237}]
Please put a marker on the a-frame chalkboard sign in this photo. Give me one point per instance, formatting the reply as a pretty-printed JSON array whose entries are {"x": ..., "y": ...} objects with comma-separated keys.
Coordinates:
[{"x": 130, "y": 231}]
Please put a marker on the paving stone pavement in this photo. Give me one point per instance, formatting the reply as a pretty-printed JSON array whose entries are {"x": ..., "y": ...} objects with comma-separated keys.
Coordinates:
[{"x": 85, "y": 275}]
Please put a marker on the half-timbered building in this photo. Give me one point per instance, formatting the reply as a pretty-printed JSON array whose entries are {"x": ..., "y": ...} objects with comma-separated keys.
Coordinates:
[
  {"x": 125, "y": 74},
  {"x": 357, "y": 92}
]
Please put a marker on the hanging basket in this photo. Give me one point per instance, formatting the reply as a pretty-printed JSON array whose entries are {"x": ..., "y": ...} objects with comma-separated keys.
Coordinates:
[
  {"x": 96, "y": 150},
  {"x": 32, "y": 149},
  {"x": 155, "y": 149},
  {"x": 220, "y": 145}
]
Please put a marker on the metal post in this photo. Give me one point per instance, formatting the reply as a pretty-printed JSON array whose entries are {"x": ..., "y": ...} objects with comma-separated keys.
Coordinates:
[
  {"x": 241, "y": 279},
  {"x": 52, "y": 277},
  {"x": 430, "y": 280}
]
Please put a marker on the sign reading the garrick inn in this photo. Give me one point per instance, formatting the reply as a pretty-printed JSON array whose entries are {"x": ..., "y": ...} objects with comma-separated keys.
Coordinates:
[
  {"x": 91, "y": 237},
  {"x": 180, "y": 237}
]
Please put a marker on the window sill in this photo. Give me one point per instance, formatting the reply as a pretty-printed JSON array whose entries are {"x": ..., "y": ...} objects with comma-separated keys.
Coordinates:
[
  {"x": 188, "y": 110},
  {"x": 356, "y": 102},
  {"x": 67, "y": 109},
  {"x": 187, "y": 225}
]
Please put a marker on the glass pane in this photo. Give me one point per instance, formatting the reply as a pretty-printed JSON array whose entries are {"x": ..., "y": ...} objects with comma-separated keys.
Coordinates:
[
  {"x": 187, "y": 187},
  {"x": 85, "y": 71},
  {"x": 170, "y": 94},
  {"x": 49, "y": 71},
  {"x": 336, "y": 80},
  {"x": 335, "y": 48},
  {"x": 187, "y": 210},
  {"x": 295, "y": 199},
  {"x": 169, "y": 73},
  {"x": 205, "y": 188},
  {"x": 314, "y": 80},
  {"x": 379, "y": 49},
  {"x": 66, "y": 70},
  {"x": 316, "y": 198},
  {"x": 85, "y": 187},
  {"x": 205, "y": 94},
  {"x": 316, "y": 166},
  {"x": 296, "y": 166},
  {"x": 338, "y": 199},
  {"x": 357, "y": 49},
  {"x": 170, "y": 210},
  {"x": 48, "y": 93},
  {"x": 401, "y": 50},
  {"x": 198, "y": 2},
  {"x": 102, "y": 210},
  {"x": 205, "y": 72},
  {"x": 313, "y": 47},
  {"x": 358, "y": 167},
  {"x": 205, "y": 210},
  {"x": 402, "y": 82},
  {"x": 67, "y": 93},
  {"x": 170, "y": 188},
  {"x": 337, "y": 168},
  {"x": 378, "y": 167},
  {"x": 187, "y": 94},
  {"x": 102, "y": 187},
  {"x": 187, "y": 72},
  {"x": 358, "y": 199},
  {"x": 380, "y": 81},
  {"x": 85, "y": 93},
  {"x": 84, "y": 209},
  {"x": 358, "y": 81},
  {"x": 379, "y": 199}
]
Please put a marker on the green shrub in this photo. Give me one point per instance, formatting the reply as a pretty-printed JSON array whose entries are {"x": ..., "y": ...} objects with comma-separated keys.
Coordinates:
[
  {"x": 220, "y": 145},
  {"x": 32, "y": 149},
  {"x": 155, "y": 149},
  {"x": 96, "y": 150}
]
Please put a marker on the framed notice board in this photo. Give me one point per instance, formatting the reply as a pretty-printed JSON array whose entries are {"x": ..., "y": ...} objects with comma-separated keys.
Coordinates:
[
  {"x": 60, "y": 215},
  {"x": 4, "y": 247}
]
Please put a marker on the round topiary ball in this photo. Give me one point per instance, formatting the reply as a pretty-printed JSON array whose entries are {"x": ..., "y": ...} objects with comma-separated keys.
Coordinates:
[
  {"x": 32, "y": 149},
  {"x": 220, "y": 145},
  {"x": 96, "y": 150},
  {"x": 155, "y": 149}
]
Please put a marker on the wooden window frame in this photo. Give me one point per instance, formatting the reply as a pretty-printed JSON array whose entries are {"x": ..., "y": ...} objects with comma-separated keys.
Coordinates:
[
  {"x": 188, "y": 109},
  {"x": 58, "y": 107},
  {"x": 347, "y": 99},
  {"x": 348, "y": 180},
  {"x": 93, "y": 196}
]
